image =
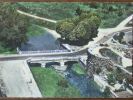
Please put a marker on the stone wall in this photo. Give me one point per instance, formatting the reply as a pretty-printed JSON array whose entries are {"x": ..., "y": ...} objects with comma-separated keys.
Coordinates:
[
  {"x": 95, "y": 63},
  {"x": 128, "y": 53}
]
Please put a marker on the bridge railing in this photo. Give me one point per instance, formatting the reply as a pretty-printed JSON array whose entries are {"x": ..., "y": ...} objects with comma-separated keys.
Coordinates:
[
  {"x": 42, "y": 52},
  {"x": 53, "y": 58}
]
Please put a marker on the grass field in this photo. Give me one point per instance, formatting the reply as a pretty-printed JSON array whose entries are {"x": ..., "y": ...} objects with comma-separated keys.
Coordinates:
[
  {"x": 47, "y": 81},
  {"x": 35, "y": 30},
  {"x": 78, "y": 69}
]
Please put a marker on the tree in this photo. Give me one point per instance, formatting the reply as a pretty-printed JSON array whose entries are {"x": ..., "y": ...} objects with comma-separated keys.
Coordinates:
[
  {"x": 13, "y": 25},
  {"x": 81, "y": 28},
  {"x": 94, "y": 5},
  {"x": 111, "y": 80},
  {"x": 78, "y": 11},
  {"x": 106, "y": 91},
  {"x": 120, "y": 13}
]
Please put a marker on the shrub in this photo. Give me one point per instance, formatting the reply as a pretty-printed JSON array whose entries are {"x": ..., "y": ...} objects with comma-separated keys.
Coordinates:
[
  {"x": 106, "y": 91},
  {"x": 111, "y": 8},
  {"x": 120, "y": 13},
  {"x": 111, "y": 80},
  {"x": 93, "y": 5},
  {"x": 98, "y": 71},
  {"x": 63, "y": 83},
  {"x": 35, "y": 30}
]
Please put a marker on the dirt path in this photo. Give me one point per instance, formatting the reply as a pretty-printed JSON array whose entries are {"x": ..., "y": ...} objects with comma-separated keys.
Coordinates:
[{"x": 45, "y": 19}]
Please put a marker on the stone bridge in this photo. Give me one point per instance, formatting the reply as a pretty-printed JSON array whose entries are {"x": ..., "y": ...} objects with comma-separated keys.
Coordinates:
[{"x": 61, "y": 59}]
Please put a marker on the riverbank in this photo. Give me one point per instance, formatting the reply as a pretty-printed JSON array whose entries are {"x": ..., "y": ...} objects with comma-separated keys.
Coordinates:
[
  {"x": 52, "y": 84},
  {"x": 78, "y": 84}
]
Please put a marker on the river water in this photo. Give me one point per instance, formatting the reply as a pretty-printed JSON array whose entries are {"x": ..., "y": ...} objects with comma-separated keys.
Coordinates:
[
  {"x": 82, "y": 83},
  {"x": 42, "y": 42}
]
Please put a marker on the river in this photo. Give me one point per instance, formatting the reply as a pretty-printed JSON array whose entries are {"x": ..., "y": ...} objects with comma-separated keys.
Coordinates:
[
  {"x": 42, "y": 42},
  {"x": 80, "y": 81}
]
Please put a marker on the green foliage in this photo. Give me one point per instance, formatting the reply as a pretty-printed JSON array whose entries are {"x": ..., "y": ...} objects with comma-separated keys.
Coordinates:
[
  {"x": 48, "y": 83},
  {"x": 78, "y": 69},
  {"x": 63, "y": 83},
  {"x": 120, "y": 77},
  {"x": 120, "y": 13},
  {"x": 62, "y": 10},
  {"x": 129, "y": 68},
  {"x": 43, "y": 23},
  {"x": 4, "y": 49},
  {"x": 13, "y": 25},
  {"x": 94, "y": 5},
  {"x": 106, "y": 92},
  {"x": 78, "y": 11},
  {"x": 128, "y": 25},
  {"x": 94, "y": 84},
  {"x": 112, "y": 55},
  {"x": 35, "y": 30},
  {"x": 79, "y": 29},
  {"x": 120, "y": 37},
  {"x": 116, "y": 75},
  {"x": 111, "y": 79}
]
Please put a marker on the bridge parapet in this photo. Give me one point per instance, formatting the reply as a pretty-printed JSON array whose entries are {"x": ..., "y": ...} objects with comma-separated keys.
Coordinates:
[
  {"x": 42, "y": 52},
  {"x": 54, "y": 58}
]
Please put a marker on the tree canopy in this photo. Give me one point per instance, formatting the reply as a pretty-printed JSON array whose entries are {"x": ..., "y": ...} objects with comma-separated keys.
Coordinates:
[
  {"x": 80, "y": 28},
  {"x": 12, "y": 25}
]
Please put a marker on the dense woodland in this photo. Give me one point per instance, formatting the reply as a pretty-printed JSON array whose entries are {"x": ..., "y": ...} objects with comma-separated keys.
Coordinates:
[{"x": 13, "y": 27}]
